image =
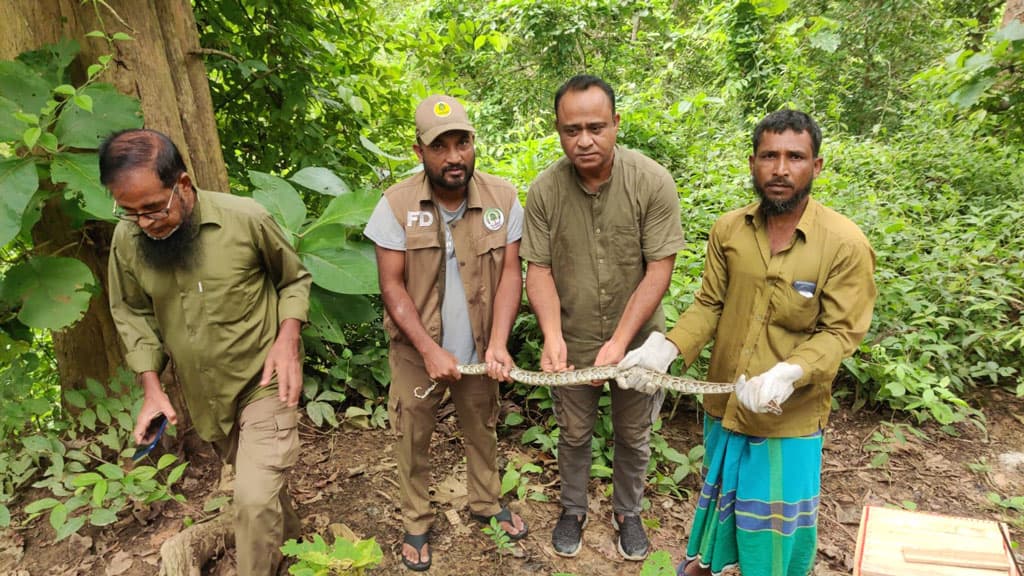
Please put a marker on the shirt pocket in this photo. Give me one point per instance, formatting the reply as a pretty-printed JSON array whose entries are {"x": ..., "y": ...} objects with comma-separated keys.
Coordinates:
[
  {"x": 794, "y": 311},
  {"x": 423, "y": 240},
  {"x": 624, "y": 246},
  {"x": 490, "y": 242}
]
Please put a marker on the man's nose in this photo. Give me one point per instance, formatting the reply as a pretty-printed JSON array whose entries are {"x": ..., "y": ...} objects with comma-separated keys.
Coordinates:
[{"x": 585, "y": 139}]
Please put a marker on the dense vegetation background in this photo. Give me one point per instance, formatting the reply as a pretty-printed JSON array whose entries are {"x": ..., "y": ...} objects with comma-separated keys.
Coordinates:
[{"x": 920, "y": 102}]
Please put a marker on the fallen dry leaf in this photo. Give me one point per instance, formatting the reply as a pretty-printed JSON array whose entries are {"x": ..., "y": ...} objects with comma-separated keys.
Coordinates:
[{"x": 119, "y": 564}]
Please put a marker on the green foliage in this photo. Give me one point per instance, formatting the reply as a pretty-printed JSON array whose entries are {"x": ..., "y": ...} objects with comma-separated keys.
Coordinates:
[
  {"x": 887, "y": 439},
  {"x": 343, "y": 558},
  {"x": 516, "y": 478},
  {"x": 658, "y": 564},
  {"x": 502, "y": 541}
]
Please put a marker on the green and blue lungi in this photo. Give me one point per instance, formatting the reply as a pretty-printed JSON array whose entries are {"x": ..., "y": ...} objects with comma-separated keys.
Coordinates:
[{"x": 759, "y": 504}]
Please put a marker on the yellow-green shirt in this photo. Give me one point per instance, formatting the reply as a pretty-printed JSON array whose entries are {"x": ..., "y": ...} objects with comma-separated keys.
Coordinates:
[
  {"x": 597, "y": 244},
  {"x": 749, "y": 304},
  {"x": 218, "y": 319}
]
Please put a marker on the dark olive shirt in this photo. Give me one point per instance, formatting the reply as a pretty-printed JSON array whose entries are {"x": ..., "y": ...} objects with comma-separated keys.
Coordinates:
[
  {"x": 808, "y": 305},
  {"x": 218, "y": 319},
  {"x": 598, "y": 244}
]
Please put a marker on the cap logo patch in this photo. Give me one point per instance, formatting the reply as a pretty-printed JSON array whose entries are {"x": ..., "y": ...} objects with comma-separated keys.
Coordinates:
[
  {"x": 493, "y": 219},
  {"x": 442, "y": 110}
]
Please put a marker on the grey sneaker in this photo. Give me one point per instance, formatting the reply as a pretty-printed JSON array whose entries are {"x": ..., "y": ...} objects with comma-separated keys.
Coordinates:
[
  {"x": 567, "y": 537},
  {"x": 632, "y": 541}
]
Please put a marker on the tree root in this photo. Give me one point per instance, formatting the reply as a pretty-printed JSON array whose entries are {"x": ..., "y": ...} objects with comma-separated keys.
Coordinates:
[{"x": 185, "y": 553}]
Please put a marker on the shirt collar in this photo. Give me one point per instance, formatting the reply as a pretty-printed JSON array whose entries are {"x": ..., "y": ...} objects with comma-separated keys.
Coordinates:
[{"x": 753, "y": 216}]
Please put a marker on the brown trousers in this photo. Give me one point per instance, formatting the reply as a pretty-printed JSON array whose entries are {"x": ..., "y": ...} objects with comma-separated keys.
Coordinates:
[
  {"x": 263, "y": 446},
  {"x": 413, "y": 420}
]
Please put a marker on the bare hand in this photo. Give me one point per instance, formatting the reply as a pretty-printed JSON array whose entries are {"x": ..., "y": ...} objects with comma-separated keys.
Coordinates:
[
  {"x": 154, "y": 403},
  {"x": 284, "y": 360},
  {"x": 554, "y": 356},
  {"x": 499, "y": 364},
  {"x": 611, "y": 353},
  {"x": 441, "y": 365}
]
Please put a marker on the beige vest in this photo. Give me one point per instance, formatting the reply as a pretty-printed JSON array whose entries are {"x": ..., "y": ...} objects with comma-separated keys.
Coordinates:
[{"x": 479, "y": 237}]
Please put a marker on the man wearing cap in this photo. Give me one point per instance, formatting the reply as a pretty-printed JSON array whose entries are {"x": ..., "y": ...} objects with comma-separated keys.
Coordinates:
[{"x": 450, "y": 277}]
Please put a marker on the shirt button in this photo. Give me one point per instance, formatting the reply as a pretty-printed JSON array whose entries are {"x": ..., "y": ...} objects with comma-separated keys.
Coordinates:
[
  {"x": 600, "y": 260},
  {"x": 598, "y": 231}
]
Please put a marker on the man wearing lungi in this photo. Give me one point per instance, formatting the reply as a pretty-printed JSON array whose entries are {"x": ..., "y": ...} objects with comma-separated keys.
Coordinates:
[{"x": 787, "y": 293}]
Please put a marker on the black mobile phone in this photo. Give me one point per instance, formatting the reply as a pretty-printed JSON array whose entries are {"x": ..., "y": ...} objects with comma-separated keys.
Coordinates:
[{"x": 154, "y": 431}]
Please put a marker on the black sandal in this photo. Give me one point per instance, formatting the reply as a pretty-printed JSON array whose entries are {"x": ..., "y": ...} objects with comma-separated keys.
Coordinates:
[
  {"x": 504, "y": 515},
  {"x": 417, "y": 541}
]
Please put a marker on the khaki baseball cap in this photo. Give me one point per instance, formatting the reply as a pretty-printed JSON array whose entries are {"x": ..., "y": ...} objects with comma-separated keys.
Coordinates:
[{"x": 438, "y": 114}]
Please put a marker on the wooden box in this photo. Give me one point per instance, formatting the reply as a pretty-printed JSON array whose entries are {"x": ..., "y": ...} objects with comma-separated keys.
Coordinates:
[{"x": 893, "y": 542}]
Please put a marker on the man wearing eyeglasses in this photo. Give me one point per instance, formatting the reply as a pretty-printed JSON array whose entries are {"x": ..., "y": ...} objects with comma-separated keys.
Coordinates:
[{"x": 210, "y": 280}]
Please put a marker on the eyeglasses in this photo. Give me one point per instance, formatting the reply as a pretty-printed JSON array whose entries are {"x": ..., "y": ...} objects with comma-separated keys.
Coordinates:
[{"x": 152, "y": 215}]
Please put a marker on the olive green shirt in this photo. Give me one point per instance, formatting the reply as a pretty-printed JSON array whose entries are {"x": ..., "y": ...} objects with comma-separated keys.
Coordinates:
[
  {"x": 218, "y": 319},
  {"x": 749, "y": 304},
  {"x": 598, "y": 244}
]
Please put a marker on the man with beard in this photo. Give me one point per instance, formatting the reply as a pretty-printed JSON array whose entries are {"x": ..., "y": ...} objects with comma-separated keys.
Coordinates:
[
  {"x": 450, "y": 277},
  {"x": 210, "y": 280},
  {"x": 601, "y": 236},
  {"x": 787, "y": 293}
]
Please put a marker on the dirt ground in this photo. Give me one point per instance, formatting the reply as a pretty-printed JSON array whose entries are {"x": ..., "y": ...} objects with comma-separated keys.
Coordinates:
[{"x": 346, "y": 478}]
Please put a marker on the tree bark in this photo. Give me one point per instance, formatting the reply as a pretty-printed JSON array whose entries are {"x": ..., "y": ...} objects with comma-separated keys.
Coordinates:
[{"x": 158, "y": 67}]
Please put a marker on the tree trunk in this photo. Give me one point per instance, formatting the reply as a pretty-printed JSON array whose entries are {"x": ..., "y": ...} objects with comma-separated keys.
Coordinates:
[
  {"x": 160, "y": 68},
  {"x": 1014, "y": 11}
]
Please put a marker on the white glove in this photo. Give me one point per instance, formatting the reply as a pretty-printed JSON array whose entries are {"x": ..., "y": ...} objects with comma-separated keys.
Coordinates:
[
  {"x": 656, "y": 353},
  {"x": 767, "y": 392}
]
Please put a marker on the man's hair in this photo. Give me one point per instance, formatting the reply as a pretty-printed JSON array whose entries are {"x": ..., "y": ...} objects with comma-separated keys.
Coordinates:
[
  {"x": 583, "y": 82},
  {"x": 781, "y": 120},
  {"x": 133, "y": 149}
]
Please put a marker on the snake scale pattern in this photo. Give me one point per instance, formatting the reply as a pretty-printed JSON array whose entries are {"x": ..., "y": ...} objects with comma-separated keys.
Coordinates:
[{"x": 612, "y": 372}]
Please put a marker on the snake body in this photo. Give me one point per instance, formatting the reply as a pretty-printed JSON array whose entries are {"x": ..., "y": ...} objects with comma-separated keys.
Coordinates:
[{"x": 611, "y": 372}]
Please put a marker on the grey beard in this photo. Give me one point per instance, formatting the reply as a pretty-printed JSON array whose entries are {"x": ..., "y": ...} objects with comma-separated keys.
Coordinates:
[
  {"x": 770, "y": 207},
  {"x": 180, "y": 250}
]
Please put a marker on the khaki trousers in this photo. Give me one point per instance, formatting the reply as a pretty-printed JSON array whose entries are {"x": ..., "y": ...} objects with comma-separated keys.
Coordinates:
[
  {"x": 413, "y": 420},
  {"x": 263, "y": 445},
  {"x": 633, "y": 414}
]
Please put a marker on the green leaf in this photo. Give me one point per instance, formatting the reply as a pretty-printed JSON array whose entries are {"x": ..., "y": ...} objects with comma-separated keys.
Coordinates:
[
  {"x": 349, "y": 209},
  {"x": 75, "y": 398},
  {"x": 216, "y": 503},
  {"x": 58, "y": 516},
  {"x": 10, "y": 126},
  {"x": 329, "y": 311},
  {"x": 969, "y": 94},
  {"x": 1013, "y": 31},
  {"x": 83, "y": 101},
  {"x": 99, "y": 493},
  {"x": 513, "y": 419},
  {"x": 19, "y": 181},
  {"x": 111, "y": 471},
  {"x": 48, "y": 140},
  {"x": 65, "y": 89},
  {"x": 369, "y": 145},
  {"x": 31, "y": 136},
  {"x": 95, "y": 34},
  {"x": 347, "y": 271},
  {"x": 51, "y": 60},
  {"x": 41, "y": 505},
  {"x": 120, "y": 36},
  {"x": 93, "y": 70},
  {"x": 53, "y": 292},
  {"x": 80, "y": 173},
  {"x": 480, "y": 41},
  {"x": 112, "y": 111},
  {"x": 23, "y": 86},
  {"x": 280, "y": 199},
  {"x": 69, "y": 528},
  {"x": 87, "y": 479},
  {"x": 165, "y": 461},
  {"x": 320, "y": 180},
  {"x": 102, "y": 517},
  {"x": 5, "y": 516},
  {"x": 176, "y": 473}
]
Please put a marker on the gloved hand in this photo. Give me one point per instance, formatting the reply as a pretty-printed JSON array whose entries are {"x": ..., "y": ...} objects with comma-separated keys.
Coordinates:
[
  {"x": 766, "y": 392},
  {"x": 656, "y": 353}
]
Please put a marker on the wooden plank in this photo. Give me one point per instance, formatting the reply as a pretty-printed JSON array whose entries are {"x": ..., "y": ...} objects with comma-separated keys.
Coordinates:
[{"x": 962, "y": 558}]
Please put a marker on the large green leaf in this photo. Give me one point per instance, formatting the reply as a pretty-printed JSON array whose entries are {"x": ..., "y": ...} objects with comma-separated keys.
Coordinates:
[
  {"x": 18, "y": 182},
  {"x": 347, "y": 271},
  {"x": 111, "y": 111},
  {"x": 1013, "y": 31},
  {"x": 81, "y": 174},
  {"x": 52, "y": 60},
  {"x": 23, "y": 86},
  {"x": 323, "y": 236},
  {"x": 280, "y": 199},
  {"x": 10, "y": 127},
  {"x": 328, "y": 311},
  {"x": 53, "y": 292},
  {"x": 320, "y": 180},
  {"x": 350, "y": 209}
]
